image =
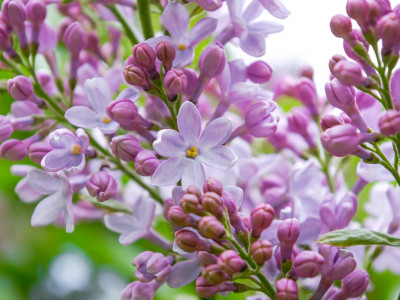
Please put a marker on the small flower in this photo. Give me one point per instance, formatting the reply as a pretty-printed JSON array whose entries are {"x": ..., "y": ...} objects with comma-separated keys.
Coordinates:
[{"x": 188, "y": 150}]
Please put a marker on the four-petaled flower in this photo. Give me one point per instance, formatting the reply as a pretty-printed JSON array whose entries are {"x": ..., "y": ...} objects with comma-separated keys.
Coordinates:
[{"x": 188, "y": 149}]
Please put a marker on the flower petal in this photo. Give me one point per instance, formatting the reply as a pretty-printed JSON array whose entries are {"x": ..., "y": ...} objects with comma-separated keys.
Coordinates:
[
  {"x": 98, "y": 93},
  {"x": 220, "y": 157},
  {"x": 216, "y": 133},
  {"x": 395, "y": 87},
  {"x": 252, "y": 11},
  {"x": 68, "y": 215},
  {"x": 62, "y": 138},
  {"x": 48, "y": 210},
  {"x": 59, "y": 159},
  {"x": 169, "y": 143},
  {"x": 83, "y": 116},
  {"x": 131, "y": 237},
  {"x": 264, "y": 28},
  {"x": 109, "y": 128},
  {"x": 243, "y": 91},
  {"x": 183, "y": 58},
  {"x": 169, "y": 172},
  {"x": 26, "y": 193},
  {"x": 193, "y": 174},
  {"x": 43, "y": 183},
  {"x": 129, "y": 93},
  {"x": 189, "y": 122},
  {"x": 201, "y": 30},
  {"x": 275, "y": 8},
  {"x": 183, "y": 273},
  {"x": 120, "y": 222},
  {"x": 176, "y": 20},
  {"x": 143, "y": 211},
  {"x": 253, "y": 45}
]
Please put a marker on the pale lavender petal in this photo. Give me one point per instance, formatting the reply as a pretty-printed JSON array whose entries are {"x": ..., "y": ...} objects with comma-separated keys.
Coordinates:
[
  {"x": 176, "y": 20},
  {"x": 43, "y": 183},
  {"x": 131, "y": 237},
  {"x": 26, "y": 193},
  {"x": 189, "y": 122},
  {"x": 264, "y": 28},
  {"x": 59, "y": 159},
  {"x": 114, "y": 78},
  {"x": 170, "y": 143},
  {"x": 201, "y": 30},
  {"x": 183, "y": 273},
  {"x": 237, "y": 69},
  {"x": 177, "y": 194},
  {"x": 235, "y": 8},
  {"x": 143, "y": 211},
  {"x": 216, "y": 133},
  {"x": 395, "y": 87},
  {"x": 275, "y": 8},
  {"x": 253, "y": 11},
  {"x": 98, "y": 93},
  {"x": 183, "y": 58},
  {"x": 62, "y": 138},
  {"x": 48, "y": 210},
  {"x": 220, "y": 157},
  {"x": 237, "y": 194},
  {"x": 83, "y": 137},
  {"x": 154, "y": 41},
  {"x": 109, "y": 128},
  {"x": 169, "y": 172},
  {"x": 193, "y": 173},
  {"x": 47, "y": 39},
  {"x": 129, "y": 93},
  {"x": 224, "y": 80},
  {"x": 120, "y": 222},
  {"x": 253, "y": 45},
  {"x": 82, "y": 116},
  {"x": 243, "y": 91}
]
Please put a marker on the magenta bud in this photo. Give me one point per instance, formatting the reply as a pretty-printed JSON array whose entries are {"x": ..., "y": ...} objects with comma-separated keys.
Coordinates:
[
  {"x": 231, "y": 262},
  {"x": 212, "y": 61},
  {"x": 190, "y": 203},
  {"x": 175, "y": 82},
  {"x": 146, "y": 163},
  {"x": 211, "y": 228},
  {"x": 298, "y": 123},
  {"x": 261, "y": 251},
  {"x": 388, "y": 29},
  {"x": 359, "y": 11},
  {"x": 329, "y": 121},
  {"x": 355, "y": 284},
  {"x": 259, "y": 119},
  {"x": 136, "y": 75},
  {"x": 152, "y": 266},
  {"x": 144, "y": 56},
  {"x": 14, "y": 12},
  {"x": 341, "y": 26},
  {"x": 348, "y": 73},
  {"x": 261, "y": 217},
  {"x": 124, "y": 112},
  {"x": 213, "y": 185},
  {"x": 214, "y": 274},
  {"x": 102, "y": 186},
  {"x": 36, "y": 10},
  {"x": 125, "y": 147},
  {"x": 308, "y": 264},
  {"x": 389, "y": 122},
  {"x": 167, "y": 204},
  {"x": 259, "y": 72},
  {"x": 20, "y": 88},
  {"x": 204, "y": 289},
  {"x": 288, "y": 233},
  {"x": 6, "y": 128},
  {"x": 341, "y": 140},
  {"x": 206, "y": 259},
  {"x": 333, "y": 61},
  {"x": 38, "y": 150},
  {"x": 165, "y": 52},
  {"x": 305, "y": 92},
  {"x": 192, "y": 78},
  {"x": 189, "y": 241},
  {"x": 307, "y": 71},
  {"x": 179, "y": 218},
  {"x": 14, "y": 150},
  {"x": 5, "y": 44},
  {"x": 213, "y": 203},
  {"x": 286, "y": 289},
  {"x": 75, "y": 39}
]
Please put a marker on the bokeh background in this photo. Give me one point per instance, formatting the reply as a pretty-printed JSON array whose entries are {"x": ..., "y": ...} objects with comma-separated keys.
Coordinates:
[{"x": 47, "y": 263}]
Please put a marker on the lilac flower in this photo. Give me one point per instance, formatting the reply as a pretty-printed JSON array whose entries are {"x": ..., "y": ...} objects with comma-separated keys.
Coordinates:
[
  {"x": 99, "y": 96},
  {"x": 176, "y": 20},
  {"x": 188, "y": 149},
  {"x": 251, "y": 33},
  {"x": 69, "y": 149},
  {"x": 275, "y": 8}
]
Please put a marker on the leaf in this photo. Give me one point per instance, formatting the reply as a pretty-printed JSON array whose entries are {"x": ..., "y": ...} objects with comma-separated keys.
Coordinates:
[{"x": 353, "y": 237}]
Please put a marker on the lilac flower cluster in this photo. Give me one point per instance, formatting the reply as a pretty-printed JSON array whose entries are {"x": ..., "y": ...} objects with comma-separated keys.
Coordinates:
[{"x": 144, "y": 123}]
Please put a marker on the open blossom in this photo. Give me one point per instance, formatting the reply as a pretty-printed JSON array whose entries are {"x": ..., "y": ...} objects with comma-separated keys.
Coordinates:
[
  {"x": 69, "y": 150},
  {"x": 188, "y": 150}
]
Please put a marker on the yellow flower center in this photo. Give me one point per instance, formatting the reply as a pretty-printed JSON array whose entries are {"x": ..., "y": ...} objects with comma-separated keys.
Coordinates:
[
  {"x": 106, "y": 120},
  {"x": 182, "y": 47},
  {"x": 192, "y": 152},
  {"x": 76, "y": 150}
]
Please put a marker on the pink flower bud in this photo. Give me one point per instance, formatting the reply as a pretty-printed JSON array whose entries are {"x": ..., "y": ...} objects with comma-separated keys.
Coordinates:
[
  {"x": 333, "y": 61},
  {"x": 206, "y": 259},
  {"x": 349, "y": 73},
  {"x": 259, "y": 72},
  {"x": 307, "y": 264},
  {"x": 190, "y": 203},
  {"x": 231, "y": 262},
  {"x": 212, "y": 61},
  {"x": 261, "y": 217},
  {"x": 298, "y": 123},
  {"x": 146, "y": 163},
  {"x": 192, "y": 78},
  {"x": 36, "y": 10},
  {"x": 14, "y": 150},
  {"x": 136, "y": 75},
  {"x": 75, "y": 39},
  {"x": 259, "y": 119},
  {"x": 214, "y": 274},
  {"x": 388, "y": 29},
  {"x": 124, "y": 112},
  {"x": 211, "y": 228},
  {"x": 102, "y": 186},
  {"x": 20, "y": 88},
  {"x": 204, "y": 289},
  {"x": 261, "y": 251},
  {"x": 305, "y": 92},
  {"x": 6, "y": 128},
  {"x": 190, "y": 242},
  {"x": 329, "y": 121},
  {"x": 38, "y": 150},
  {"x": 359, "y": 10},
  {"x": 5, "y": 44},
  {"x": 286, "y": 289},
  {"x": 165, "y": 53},
  {"x": 341, "y": 140},
  {"x": 213, "y": 185},
  {"x": 341, "y": 26},
  {"x": 288, "y": 233},
  {"x": 175, "y": 82},
  {"x": 213, "y": 203},
  {"x": 14, "y": 12},
  {"x": 144, "y": 56},
  {"x": 152, "y": 266},
  {"x": 179, "y": 218},
  {"x": 355, "y": 284},
  {"x": 389, "y": 122},
  {"x": 125, "y": 147}
]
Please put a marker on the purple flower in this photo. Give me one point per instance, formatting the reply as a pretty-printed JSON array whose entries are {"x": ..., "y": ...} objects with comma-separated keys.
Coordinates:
[
  {"x": 188, "y": 150},
  {"x": 69, "y": 149},
  {"x": 99, "y": 95},
  {"x": 275, "y": 8},
  {"x": 176, "y": 20}
]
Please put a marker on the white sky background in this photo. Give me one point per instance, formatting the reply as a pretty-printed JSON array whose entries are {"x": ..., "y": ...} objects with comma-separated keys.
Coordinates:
[{"x": 306, "y": 39}]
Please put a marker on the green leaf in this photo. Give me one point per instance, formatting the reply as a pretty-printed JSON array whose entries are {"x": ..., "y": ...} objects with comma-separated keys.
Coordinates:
[{"x": 353, "y": 237}]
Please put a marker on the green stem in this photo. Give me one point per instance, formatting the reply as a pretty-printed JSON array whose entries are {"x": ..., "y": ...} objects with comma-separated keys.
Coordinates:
[
  {"x": 127, "y": 29},
  {"x": 145, "y": 18}
]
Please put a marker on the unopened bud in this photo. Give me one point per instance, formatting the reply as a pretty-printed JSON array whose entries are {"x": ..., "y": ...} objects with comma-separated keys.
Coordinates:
[
  {"x": 146, "y": 163},
  {"x": 259, "y": 72},
  {"x": 211, "y": 228},
  {"x": 261, "y": 251},
  {"x": 286, "y": 289},
  {"x": 308, "y": 264},
  {"x": 231, "y": 262},
  {"x": 214, "y": 274},
  {"x": 125, "y": 147},
  {"x": 288, "y": 233},
  {"x": 102, "y": 186},
  {"x": 261, "y": 217}
]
